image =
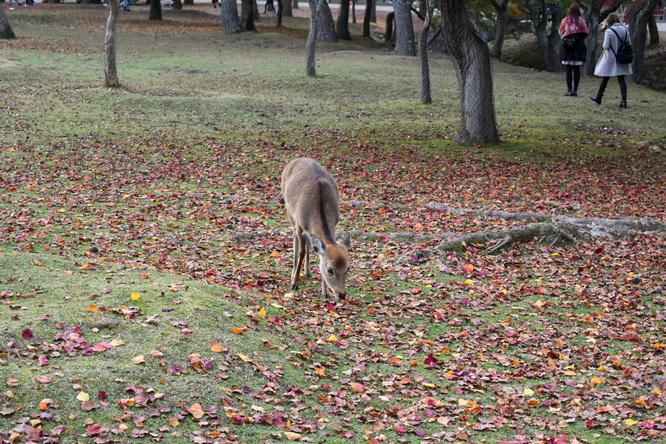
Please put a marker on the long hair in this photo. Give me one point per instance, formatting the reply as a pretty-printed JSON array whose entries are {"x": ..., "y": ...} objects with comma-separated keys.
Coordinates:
[
  {"x": 574, "y": 11},
  {"x": 612, "y": 19}
]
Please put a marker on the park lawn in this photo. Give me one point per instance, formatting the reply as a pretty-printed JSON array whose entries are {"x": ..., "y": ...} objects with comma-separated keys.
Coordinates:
[{"x": 145, "y": 254}]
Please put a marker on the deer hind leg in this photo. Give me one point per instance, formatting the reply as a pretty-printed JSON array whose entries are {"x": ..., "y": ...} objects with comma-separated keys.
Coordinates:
[{"x": 308, "y": 272}]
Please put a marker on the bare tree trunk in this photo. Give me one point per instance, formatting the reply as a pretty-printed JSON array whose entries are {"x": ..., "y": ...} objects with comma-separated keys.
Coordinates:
[
  {"x": 310, "y": 69},
  {"x": 404, "y": 28},
  {"x": 110, "y": 70},
  {"x": 593, "y": 18},
  {"x": 188, "y": 2},
  {"x": 390, "y": 19},
  {"x": 177, "y": 5},
  {"x": 472, "y": 60},
  {"x": 294, "y": 4},
  {"x": 247, "y": 15},
  {"x": 287, "y": 11},
  {"x": 326, "y": 33},
  {"x": 373, "y": 11},
  {"x": 653, "y": 30},
  {"x": 5, "y": 28},
  {"x": 543, "y": 12},
  {"x": 230, "y": 19},
  {"x": 280, "y": 11},
  {"x": 342, "y": 31},
  {"x": 353, "y": 8},
  {"x": 426, "y": 96},
  {"x": 155, "y": 10},
  {"x": 502, "y": 10},
  {"x": 366, "y": 17},
  {"x": 638, "y": 28}
]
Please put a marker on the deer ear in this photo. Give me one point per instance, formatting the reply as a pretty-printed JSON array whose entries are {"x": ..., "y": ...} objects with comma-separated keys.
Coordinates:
[
  {"x": 346, "y": 240},
  {"x": 317, "y": 245}
]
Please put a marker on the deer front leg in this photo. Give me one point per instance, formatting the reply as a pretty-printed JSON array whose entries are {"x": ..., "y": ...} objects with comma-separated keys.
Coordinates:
[{"x": 300, "y": 241}]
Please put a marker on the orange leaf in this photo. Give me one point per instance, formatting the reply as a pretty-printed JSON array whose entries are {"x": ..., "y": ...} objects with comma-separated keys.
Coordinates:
[
  {"x": 238, "y": 331},
  {"x": 215, "y": 347},
  {"x": 196, "y": 410}
]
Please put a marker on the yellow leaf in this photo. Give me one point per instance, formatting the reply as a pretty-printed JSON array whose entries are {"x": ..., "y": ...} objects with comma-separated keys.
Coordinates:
[
  {"x": 245, "y": 358},
  {"x": 468, "y": 282},
  {"x": 117, "y": 343},
  {"x": 570, "y": 373},
  {"x": 332, "y": 338},
  {"x": 528, "y": 392},
  {"x": 630, "y": 422},
  {"x": 138, "y": 360},
  {"x": 262, "y": 312},
  {"x": 238, "y": 331},
  {"x": 123, "y": 427},
  {"x": 136, "y": 296},
  {"x": 656, "y": 392},
  {"x": 83, "y": 396},
  {"x": 595, "y": 381}
]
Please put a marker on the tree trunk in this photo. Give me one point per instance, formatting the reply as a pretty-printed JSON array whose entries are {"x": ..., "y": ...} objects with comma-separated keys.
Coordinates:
[
  {"x": 426, "y": 96},
  {"x": 280, "y": 11},
  {"x": 188, "y": 2},
  {"x": 294, "y": 4},
  {"x": 543, "y": 12},
  {"x": 155, "y": 10},
  {"x": 404, "y": 28},
  {"x": 373, "y": 11},
  {"x": 247, "y": 15},
  {"x": 110, "y": 70},
  {"x": 472, "y": 61},
  {"x": 353, "y": 10},
  {"x": 287, "y": 9},
  {"x": 5, "y": 28},
  {"x": 342, "y": 31},
  {"x": 638, "y": 28},
  {"x": 390, "y": 19},
  {"x": 326, "y": 32},
  {"x": 502, "y": 10},
  {"x": 653, "y": 30},
  {"x": 366, "y": 17},
  {"x": 177, "y": 5},
  {"x": 593, "y": 18},
  {"x": 230, "y": 19},
  {"x": 310, "y": 69}
]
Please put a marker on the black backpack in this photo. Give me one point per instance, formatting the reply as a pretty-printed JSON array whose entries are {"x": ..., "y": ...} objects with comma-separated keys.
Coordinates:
[{"x": 624, "y": 53}]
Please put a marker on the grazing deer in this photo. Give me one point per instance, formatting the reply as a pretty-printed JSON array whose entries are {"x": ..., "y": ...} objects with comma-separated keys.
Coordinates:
[{"x": 311, "y": 197}]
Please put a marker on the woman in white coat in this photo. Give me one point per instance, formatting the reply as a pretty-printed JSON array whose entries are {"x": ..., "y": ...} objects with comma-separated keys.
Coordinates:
[{"x": 608, "y": 66}]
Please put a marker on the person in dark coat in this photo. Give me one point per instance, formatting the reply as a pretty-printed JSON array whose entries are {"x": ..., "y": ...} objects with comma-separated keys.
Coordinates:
[{"x": 573, "y": 31}]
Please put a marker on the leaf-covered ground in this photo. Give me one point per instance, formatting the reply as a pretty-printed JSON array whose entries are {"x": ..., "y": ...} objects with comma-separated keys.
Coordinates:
[{"x": 145, "y": 254}]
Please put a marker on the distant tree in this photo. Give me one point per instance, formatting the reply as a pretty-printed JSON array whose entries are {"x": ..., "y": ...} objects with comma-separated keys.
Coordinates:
[
  {"x": 188, "y": 2},
  {"x": 342, "y": 27},
  {"x": 5, "y": 28},
  {"x": 546, "y": 17},
  {"x": 177, "y": 5},
  {"x": 155, "y": 10},
  {"x": 404, "y": 28},
  {"x": 230, "y": 19},
  {"x": 472, "y": 61},
  {"x": 326, "y": 33},
  {"x": 638, "y": 27},
  {"x": 294, "y": 4},
  {"x": 288, "y": 10},
  {"x": 654, "y": 31},
  {"x": 247, "y": 15},
  {"x": 367, "y": 17},
  {"x": 501, "y": 22},
  {"x": 311, "y": 43},
  {"x": 280, "y": 12},
  {"x": 110, "y": 70},
  {"x": 426, "y": 96},
  {"x": 594, "y": 16}
]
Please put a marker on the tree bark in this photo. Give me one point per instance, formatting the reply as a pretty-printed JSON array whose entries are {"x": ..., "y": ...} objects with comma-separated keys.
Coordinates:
[
  {"x": 653, "y": 30},
  {"x": 390, "y": 20},
  {"x": 543, "y": 12},
  {"x": 280, "y": 11},
  {"x": 342, "y": 29},
  {"x": 366, "y": 17},
  {"x": 472, "y": 61},
  {"x": 404, "y": 28},
  {"x": 188, "y": 2},
  {"x": 230, "y": 20},
  {"x": 5, "y": 28},
  {"x": 326, "y": 32},
  {"x": 502, "y": 10},
  {"x": 638, "y": 29},
  {"x": 177, "y": 5},
  {"x": 373, "y": 11},
  {"x": 110, "y": 69},
  {"x": 247, "y": 15},
  {"x": 155, "y": 10},
  {"x": 294, "y": 4},
  {"x": 426, "y": 95},
  {"x": 593, "y": 17},
  {"x": 287, "y": 9},
  {"x": 311, "y": 44}
]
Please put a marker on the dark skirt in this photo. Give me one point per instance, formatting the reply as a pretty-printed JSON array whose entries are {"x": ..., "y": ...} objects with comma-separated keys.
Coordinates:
[{"x": 575, "y": 53}]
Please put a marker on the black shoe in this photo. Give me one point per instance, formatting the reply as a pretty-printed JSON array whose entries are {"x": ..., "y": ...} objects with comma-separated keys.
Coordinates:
[
  {"x": 569, "y": 93},
  {"x": 623, "y": 104},
  {"x": 596, "y": 99},
  {"x": 574, "y": 94}
]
